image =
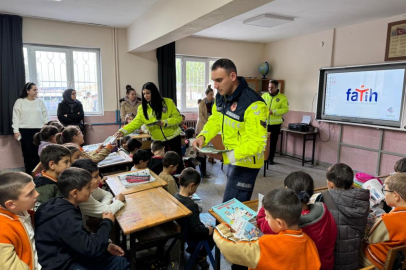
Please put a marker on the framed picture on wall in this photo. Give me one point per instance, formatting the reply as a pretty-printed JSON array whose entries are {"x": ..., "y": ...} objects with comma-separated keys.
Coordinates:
[{"x": 396, "y": 41}]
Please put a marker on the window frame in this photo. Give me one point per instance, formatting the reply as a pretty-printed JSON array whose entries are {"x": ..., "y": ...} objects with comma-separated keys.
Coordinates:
[
  {"x": 183, "y": 58},
  {"x": 70, "y": 74}
]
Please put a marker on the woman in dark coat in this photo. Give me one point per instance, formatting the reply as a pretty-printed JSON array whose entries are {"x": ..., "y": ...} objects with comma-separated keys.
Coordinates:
[{"x": 70, "y": 110}]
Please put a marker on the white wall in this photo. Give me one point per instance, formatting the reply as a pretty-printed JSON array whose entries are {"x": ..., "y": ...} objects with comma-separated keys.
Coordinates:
[{"x": 246, "y": 56}]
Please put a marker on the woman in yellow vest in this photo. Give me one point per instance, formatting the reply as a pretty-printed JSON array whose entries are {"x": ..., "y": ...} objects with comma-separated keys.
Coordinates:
[
  {"x": 278, "y": 105},
  {"x": 160, "y": 115}
]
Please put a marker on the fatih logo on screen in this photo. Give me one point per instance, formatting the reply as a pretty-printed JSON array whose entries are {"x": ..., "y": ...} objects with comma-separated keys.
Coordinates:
[{"x": 362, "y": 95}]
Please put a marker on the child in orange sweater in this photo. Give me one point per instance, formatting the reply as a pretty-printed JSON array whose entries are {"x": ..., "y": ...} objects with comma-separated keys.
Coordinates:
[
  {"x": 389, "y": 230},
  {"x": 291, "y": 248},
  {"x": 17, "y": 244}
]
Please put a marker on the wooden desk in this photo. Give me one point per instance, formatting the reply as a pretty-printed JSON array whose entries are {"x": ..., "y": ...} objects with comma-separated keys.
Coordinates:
[
  {"x": 305, "y": 139},
  {"x": 117, "y": 187},
  {"x": 251, "y": 204},
  {"x": 140, "y": 136},
  {"x": 146, "y": 209}
]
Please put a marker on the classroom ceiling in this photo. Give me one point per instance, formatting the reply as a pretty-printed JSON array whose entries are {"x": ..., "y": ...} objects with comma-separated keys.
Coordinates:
[
  {"x": 114, "y": 13},
  {"x": 311, "y": 16}
]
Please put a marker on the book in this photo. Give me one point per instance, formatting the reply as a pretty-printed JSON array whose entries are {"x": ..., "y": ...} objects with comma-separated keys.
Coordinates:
[
  {"x": 91, "y": 147},
  {"x": 245, "y": 230},
  {"x": 207, "y": 219},
  {"x": 231, "y": 210},
  {"x": 375, "y": 190},
  {"x": 212, "y": 150},
  {"x": 110, "y": 159},
  {"x": 110, "y": 139},
  {"x": 136, "y": 178}
]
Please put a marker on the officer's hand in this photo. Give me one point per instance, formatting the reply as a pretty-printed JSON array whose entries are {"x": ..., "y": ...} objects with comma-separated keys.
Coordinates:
[
  {"x": 198, "y": 143},
  {"x": 270, "y": 112}
]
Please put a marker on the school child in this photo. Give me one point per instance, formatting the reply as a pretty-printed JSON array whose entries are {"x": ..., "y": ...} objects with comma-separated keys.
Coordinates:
[
  {"x": 316, "y": 221},
  {"x": 389, "y": 230},
  {"x": 290, "y": 248},
  {"x": 196, "y": 231},
  {"x": 17, "y": 243},
  {"x": 46, "y": 136},
  {"x": 400, "y": 165},
  {"x": 72, "y": 134},
  {"x": 133, "y": 145},
  {"x": 100, "y": 201},
  {"x": 61, "y": 239},
  {"x": 128, "y": 118},
  {"x": 74, "y": 151},
  {"x": 350, "y": 208},
  {"x": 55, "y": 159},
  {"x": 140, "y": 160},
  {"x": 123, "y": 144},
  {"x": 158, "y": 151},
  {"x": 170, "y": 164}
]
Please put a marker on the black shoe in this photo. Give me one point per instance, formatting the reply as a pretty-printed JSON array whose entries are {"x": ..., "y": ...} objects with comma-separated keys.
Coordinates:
[
  {"x": 270, "y": 162},
  {"x": 204, "y": 265}
]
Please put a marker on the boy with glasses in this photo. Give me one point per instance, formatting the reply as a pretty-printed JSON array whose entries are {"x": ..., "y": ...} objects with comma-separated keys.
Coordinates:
[{"x": 389, "y": 231}]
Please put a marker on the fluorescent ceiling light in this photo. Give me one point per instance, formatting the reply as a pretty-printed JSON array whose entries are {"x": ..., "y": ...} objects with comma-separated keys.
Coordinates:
[{"x": 268, "y": 20}]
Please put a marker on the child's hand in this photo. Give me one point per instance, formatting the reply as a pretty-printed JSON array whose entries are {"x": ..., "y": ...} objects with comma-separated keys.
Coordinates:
[
  {"x": 108, "y": 215},
  {"x": 211, "y": 230},
  {"x": 115, "y": 250},
  {"x": 103, "y": 180},
  {"x": 120, "y": 197}
]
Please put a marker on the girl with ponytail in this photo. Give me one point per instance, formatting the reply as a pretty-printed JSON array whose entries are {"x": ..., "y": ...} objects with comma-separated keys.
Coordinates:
[
  {"x": 46, "y": 136},
  {"x": 316, "y": 221},
  {"x": 72, "y": 134}
]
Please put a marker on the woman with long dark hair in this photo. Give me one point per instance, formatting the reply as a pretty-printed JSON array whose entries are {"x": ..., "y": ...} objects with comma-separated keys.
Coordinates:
[
  {"x": 160, "y": 115},
  {"x": 70, "y": 110},
  {"x": 29, "y": 116}
]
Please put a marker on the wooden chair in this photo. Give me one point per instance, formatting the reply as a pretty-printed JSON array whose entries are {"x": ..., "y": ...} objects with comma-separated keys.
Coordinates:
[
  {"x": 266, "y": 154},
  {"x": 37, "y": 170},
  {"x": 394, "y": 261}
]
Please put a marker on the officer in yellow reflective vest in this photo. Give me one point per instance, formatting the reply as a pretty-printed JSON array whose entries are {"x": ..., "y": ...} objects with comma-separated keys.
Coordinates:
[
  {"x": 239, "y": 114},
  {"x": 278, "y": 105}
]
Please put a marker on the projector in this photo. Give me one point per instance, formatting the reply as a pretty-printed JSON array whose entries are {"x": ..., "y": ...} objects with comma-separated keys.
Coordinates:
[{"x": 300, "y": 127}]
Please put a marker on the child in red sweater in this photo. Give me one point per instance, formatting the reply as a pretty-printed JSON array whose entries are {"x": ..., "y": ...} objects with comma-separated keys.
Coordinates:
[{"x": 316, "y": 221}]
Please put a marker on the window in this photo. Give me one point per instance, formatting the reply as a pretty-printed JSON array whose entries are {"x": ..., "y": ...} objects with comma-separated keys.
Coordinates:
[
  {"x": 54, "y": 69},
  {"x": 192, "y": 78}
]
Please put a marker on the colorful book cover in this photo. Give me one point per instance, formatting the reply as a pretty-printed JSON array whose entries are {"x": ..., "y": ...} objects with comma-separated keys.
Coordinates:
[
  {"x": 212, "y": 150},
  {"x": 244, "y": 229},
  {"x": 231, "y": 210},
  {"x": 207, "y": 219}
]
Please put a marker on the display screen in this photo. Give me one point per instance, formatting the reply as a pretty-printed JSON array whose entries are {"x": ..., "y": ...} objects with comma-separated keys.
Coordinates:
[{"x": 373, "y": 94}]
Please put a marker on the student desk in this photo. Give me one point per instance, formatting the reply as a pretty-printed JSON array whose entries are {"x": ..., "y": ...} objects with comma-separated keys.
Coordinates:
[
  {"x": 251, "y": 204},
  {"x": 307, "y": 136},
  {"x": 140, "y": 136},
  {"x": 146, "y": 209},
  {"x": 117, "y": 187},
  {"x": 127, "y": 160}
]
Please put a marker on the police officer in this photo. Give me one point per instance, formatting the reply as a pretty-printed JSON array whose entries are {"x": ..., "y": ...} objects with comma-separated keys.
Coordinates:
[
  {"x": 240, "y": 114},
  {"x": 278, "y": 105}
]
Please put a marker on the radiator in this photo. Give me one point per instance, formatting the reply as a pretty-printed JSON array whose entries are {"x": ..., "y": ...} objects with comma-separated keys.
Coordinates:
[{"x": 191, "y": 123}]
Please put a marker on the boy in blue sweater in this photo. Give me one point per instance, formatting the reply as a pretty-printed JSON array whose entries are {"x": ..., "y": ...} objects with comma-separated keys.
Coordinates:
[{"x": 61, "y": 240}]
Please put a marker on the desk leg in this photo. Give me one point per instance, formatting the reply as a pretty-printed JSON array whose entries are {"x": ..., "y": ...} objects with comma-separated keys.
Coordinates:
[
  {"x": 217, "y": 254},
  {"x": 304, "y": 149},
  {"x": 314, "y": 146},
  {"x": 133, "y": 252},
  {"x": 280, "y": 152}
]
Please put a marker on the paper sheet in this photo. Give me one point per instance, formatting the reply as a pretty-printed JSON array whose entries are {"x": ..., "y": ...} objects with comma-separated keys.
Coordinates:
[{"x": 306, "y": 119}]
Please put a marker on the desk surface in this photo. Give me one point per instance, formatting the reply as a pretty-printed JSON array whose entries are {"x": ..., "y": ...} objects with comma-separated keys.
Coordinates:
[
  {"x": 117, "y": 187},
  {"x": 251, "y": 204},
  {"x": 127, "y": 159},
  {"x": 140, "y": 136},
  {"x": 149, "y": 208},
  {"x": 298, "y": 132}
]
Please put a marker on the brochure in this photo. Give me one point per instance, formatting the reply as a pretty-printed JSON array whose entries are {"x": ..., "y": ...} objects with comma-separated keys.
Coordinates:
[
  {"x": 231, "y": 210},
  {"x": 136, "y": 178},
  {"x": 212, "y": 150},
  {"x": 375, "y": 191},
  {"x": 244, "y": 229},
  {"x": 91, "y": 147},
  {"x": 110, "y": 159},
  {"x": 110, "y": 139},
  {"x": 207, "y": 219}
]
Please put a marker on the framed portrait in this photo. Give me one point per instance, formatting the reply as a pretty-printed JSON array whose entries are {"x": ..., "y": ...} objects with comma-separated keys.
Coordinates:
[{"x": 396, "y": 41}]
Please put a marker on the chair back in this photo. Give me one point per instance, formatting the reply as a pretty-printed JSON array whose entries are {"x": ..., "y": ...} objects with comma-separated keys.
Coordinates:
[
  {"x": 396, "y": 258},
  {"x": 37, "y": 170}
]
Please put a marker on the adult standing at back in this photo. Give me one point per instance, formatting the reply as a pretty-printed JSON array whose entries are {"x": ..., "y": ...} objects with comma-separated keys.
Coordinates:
[
  {"x": 205, "y": 107},
  {"x": 161, "y": 116},
  {"x": 239, "y": 113},
  {"x": 278, "y": 105},
  {"x": 130, "y": 103},
  {"x": 29, "y": 115},
  {"x": 70, "y": 110}
]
